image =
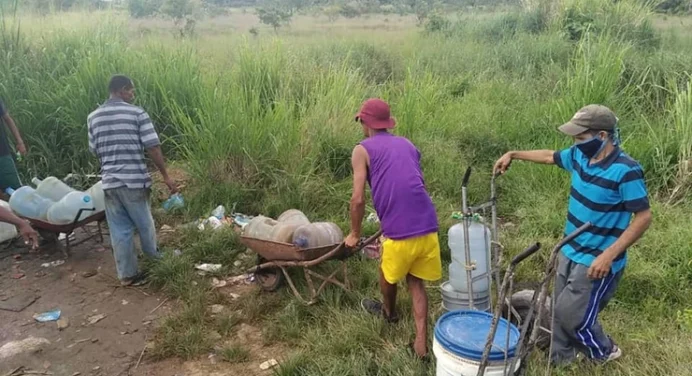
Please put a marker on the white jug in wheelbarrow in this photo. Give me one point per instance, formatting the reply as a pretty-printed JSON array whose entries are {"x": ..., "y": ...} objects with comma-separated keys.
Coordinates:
[
  {"x": 29, "y": 204},
  {"x": 52, "y": 188},
  {"x": 65, "y": 211}
]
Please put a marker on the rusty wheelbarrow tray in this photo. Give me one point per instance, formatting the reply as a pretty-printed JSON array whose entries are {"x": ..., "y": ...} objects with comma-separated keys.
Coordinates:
[
  {"x": 52, "y": 231},
  {"x": 273, "y": 259}
]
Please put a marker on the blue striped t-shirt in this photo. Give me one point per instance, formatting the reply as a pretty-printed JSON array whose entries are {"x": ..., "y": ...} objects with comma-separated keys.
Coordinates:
[{"x": 606, "y": 194}]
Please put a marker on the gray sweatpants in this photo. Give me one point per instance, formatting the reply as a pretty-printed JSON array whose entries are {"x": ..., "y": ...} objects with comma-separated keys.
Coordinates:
[{"x": 579, "y": 300}]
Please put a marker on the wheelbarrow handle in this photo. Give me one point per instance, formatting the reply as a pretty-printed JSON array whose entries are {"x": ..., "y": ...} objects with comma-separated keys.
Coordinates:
[{"x": 525, "y": 254}]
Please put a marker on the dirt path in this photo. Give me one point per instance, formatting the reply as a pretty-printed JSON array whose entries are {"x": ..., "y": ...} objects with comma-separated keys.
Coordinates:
[
  {"x": 85, "y": 287},
  {"x": 108, "y": 347}
]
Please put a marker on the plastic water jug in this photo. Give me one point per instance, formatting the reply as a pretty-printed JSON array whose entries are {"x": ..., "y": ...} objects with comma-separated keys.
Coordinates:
[
  {"x": 260, "y": 227},
  {"x": 293, "y": 216},
  {"x": 286, "y": 225},
  {"x": 319, "y": 234},
  {"x": 27, "y": 203},
  {"x": 479, "y": 244},
  {"x": 52, "y": 188},
  {"x": 65, "y": 211},
  {"x": 97, "y": 196},
  {"x": 7, "y": 231}
]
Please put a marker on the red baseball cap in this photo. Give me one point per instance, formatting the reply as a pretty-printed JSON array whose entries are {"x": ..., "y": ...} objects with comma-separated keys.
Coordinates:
[{"x": 375, "y": 114}]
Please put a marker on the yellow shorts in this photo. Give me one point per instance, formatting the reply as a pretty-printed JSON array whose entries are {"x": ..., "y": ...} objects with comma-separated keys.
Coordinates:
[{"x": 419, "y": 257}]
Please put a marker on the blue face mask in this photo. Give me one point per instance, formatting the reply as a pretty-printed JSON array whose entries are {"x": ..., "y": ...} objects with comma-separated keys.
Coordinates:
[{"x": 592, "y": 147}]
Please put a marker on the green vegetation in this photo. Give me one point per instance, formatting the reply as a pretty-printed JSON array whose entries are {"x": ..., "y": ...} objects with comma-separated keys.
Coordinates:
[
  {"x": 267, "y": 123},
  {"x": 235, "y": 354}
]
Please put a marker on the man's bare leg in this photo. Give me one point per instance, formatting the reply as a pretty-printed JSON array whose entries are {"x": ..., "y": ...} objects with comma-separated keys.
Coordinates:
[
  {"x": 388, "y": 291},
  {"x": 420, "y": 313}
]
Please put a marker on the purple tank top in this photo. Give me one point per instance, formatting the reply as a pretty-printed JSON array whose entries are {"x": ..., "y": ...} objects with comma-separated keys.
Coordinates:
[{"x": 398, "y": 190}]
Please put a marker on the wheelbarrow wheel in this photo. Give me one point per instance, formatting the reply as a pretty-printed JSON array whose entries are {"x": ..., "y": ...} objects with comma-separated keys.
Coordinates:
[{"x": 269, "y": 279}]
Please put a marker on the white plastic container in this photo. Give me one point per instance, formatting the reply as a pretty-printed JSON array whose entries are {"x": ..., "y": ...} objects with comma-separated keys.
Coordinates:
[
  {"x": 454, "y": 301},
  {"x": 293, "y": 216},
  {"x": 318, "y": 234},
  {"x": 52, "y": 188},
  {"x": 479, "y": 237},
  {"x": 7, "y": 231},
  {"x": 260, "y": 227},
  {"x": 459, "y": 342},
  {"x": 27, "y": 203},
  {"x": 65, "y": 210},
  {"x": 97, "y": 196},
  {"x": 287, "y": 223}
]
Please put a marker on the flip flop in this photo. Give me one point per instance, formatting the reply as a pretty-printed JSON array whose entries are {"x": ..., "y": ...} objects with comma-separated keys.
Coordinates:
[{"x": 374, "y": 307}]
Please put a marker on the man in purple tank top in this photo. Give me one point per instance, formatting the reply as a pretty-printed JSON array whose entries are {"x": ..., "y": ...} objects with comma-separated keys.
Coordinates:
[{"x": 411, "y": 250}]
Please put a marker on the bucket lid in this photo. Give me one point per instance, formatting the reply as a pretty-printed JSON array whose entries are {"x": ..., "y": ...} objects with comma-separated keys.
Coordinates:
[{"x": 464, "y": 333}]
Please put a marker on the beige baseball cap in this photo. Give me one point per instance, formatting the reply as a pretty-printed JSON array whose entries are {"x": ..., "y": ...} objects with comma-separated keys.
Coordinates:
[{"x": 591, "y": 117}]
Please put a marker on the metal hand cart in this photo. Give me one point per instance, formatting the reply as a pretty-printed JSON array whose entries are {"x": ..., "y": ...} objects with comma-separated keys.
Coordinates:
[{"x": 530, "y": 326}]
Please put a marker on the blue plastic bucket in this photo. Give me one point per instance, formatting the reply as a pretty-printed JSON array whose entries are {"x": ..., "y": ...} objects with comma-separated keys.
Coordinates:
[{"x": 464, "y": 334}]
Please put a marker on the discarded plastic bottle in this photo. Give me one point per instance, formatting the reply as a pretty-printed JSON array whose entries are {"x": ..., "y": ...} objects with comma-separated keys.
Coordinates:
[
  {"x": 174, "y": 202},
  {"x": 219, "y": 212}
]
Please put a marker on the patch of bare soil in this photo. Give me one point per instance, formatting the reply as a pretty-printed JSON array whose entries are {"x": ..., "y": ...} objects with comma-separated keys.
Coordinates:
[
  {"x": 105, "y": 327},
  {"x": 249, "y": 337}
]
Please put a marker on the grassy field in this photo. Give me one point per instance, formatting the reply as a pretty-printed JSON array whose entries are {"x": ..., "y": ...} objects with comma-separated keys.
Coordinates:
[{"x": 266, "y": 122}]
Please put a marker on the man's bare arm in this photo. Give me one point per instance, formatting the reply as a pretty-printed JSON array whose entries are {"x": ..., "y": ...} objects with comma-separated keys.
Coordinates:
[
  {"x": 359, "y": 160},
  {"x": 637, "y": 228},
  {"x": 536, "y": 156},
  {"x": 21, "y": 147},
  {"x": 157, "y": 156}
]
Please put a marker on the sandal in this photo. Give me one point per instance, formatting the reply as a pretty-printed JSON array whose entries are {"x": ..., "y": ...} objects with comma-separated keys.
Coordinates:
[{"x": 376, "y": 308}]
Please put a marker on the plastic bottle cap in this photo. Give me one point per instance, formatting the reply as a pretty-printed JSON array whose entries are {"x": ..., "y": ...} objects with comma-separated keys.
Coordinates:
[{"x": 87, "y": 199}]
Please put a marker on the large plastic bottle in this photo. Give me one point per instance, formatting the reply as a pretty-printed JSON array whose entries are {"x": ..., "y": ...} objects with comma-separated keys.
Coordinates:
[
  {"x": 293, "y": 216},
  {"x": 260, "y": 227},
  {"x": 479, "y": 242},
  {"x": 27, "y": 203},
  {"x": 97, "y": 196},
  {"x": 52, "y": 188},
  {"x": 65, "y": 210},
  {"x": 318, "y": 234},
  {"x": 286, "y": 225},
  {"x": 7, "y": 231}
]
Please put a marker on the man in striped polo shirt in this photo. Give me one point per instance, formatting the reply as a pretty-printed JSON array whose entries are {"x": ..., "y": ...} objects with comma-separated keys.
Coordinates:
[
  {"x": 607, "y": 190},
  {"x": 119, "y": 132}
]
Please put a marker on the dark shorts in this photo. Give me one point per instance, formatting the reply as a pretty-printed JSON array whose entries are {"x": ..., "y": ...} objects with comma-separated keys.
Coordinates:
[{"x": 9, "y": 178}]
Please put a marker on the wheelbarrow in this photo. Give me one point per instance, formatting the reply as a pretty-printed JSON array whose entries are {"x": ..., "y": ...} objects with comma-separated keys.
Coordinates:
[
  {"x": 51, "y": 232},
  {"x": 273, "y": 259}
]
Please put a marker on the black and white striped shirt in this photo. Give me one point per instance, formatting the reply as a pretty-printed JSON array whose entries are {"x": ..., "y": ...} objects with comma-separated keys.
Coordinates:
[{"x": 118, "y": 134}]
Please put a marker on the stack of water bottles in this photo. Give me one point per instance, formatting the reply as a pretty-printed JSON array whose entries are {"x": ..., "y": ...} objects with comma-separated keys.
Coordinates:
[{"x": 55, "y": 202}]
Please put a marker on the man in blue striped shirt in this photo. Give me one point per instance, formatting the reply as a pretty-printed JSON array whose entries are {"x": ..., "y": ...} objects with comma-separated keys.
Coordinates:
[
  {"x": 607, "y": 190},
  {"x": 119, "y": 133}
]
